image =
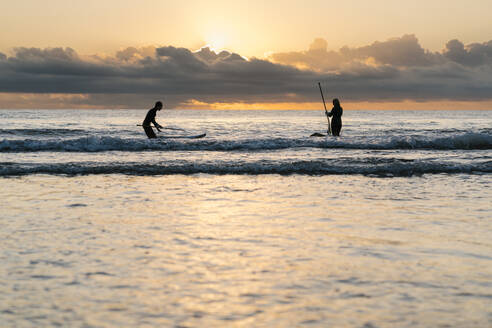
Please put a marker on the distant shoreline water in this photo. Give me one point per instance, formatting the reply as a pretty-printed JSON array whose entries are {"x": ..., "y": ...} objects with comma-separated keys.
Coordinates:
[
  {"x": 259, "y": 109},
  {"x": 378, "y": 143}
]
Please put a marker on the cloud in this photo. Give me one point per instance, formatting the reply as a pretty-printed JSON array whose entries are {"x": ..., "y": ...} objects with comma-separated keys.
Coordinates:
[
  {"x": 132, "y": 54},
  {"x": 393, "y": 70},
  {"x": 317, "y": 57},
  {"x": 400, "y": 52},
  {"x": 474, "y": 54}
]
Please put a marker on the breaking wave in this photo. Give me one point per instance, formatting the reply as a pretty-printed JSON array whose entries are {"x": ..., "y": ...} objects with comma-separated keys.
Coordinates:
[
  {"x": 466, "y": 141},
  {"x": 387, "y": 168}
]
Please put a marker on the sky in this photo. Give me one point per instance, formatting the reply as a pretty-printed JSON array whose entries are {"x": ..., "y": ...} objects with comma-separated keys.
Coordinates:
[{"x": 253, "y": 54}]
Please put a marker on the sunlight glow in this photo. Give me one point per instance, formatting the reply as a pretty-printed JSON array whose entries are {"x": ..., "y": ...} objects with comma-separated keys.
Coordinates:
[{"x": 216, "y": 42}]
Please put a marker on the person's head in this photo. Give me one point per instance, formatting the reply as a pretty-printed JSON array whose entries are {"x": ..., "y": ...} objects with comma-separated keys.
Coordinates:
[
  {"x": 336, "y": 102},
  {"x": 158, "y": 105}
]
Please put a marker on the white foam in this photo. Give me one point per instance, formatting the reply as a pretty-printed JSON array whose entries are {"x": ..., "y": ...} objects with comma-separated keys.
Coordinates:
[{"x": 465, "y": 141}]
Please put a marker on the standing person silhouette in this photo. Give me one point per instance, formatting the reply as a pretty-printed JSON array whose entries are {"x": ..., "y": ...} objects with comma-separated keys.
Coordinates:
[
  {"x": 150, "y": 118},
  {"x": 336, "y": 122}
]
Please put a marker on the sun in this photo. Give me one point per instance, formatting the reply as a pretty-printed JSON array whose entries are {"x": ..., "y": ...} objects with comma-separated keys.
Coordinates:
[{"x": 216, "y": 41}]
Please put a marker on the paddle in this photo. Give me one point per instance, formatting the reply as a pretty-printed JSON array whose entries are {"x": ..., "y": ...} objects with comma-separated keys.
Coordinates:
[
  {"x": 326, "y": 111},
  {"x": 175, "y": 129}
]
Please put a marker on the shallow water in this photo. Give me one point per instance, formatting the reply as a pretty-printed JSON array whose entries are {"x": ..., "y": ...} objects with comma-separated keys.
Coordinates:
[
  {"x": 207, "y": 250},
  {"x": 110, "y": 233}
]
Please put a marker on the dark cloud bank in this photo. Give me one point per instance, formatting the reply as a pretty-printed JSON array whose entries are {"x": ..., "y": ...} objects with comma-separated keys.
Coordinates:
[{"x": 393, "y": 70}]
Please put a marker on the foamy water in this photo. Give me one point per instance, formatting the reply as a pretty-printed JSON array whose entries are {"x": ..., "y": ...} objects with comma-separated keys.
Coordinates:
[{"x": 255, "y": 225}]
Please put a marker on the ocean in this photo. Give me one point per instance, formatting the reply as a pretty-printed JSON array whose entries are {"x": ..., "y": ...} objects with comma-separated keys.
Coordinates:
[{"x": 256, "y": 225}]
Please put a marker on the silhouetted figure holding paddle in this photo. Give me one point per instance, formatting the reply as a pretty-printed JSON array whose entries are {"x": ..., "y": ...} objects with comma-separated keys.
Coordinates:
[
  {"x": 150, "y": 118},
  {"x": 336, "y": 113}
]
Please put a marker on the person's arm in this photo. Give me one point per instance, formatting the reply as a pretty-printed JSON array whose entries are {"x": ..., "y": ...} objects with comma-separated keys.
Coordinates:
[
  {"x": 157, "y": 125},
  {"x": 329, "y": 114}
]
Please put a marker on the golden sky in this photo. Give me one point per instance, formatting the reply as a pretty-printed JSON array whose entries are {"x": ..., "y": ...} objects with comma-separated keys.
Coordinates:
[
  {"x": 308, "y": 35},
  {"x": 251, "y": 28}
]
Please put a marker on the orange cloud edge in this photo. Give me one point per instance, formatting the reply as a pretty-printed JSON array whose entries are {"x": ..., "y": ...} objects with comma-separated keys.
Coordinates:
[
  {"x": 393, "y": 105},
  {"x": 79, "y": 101}
]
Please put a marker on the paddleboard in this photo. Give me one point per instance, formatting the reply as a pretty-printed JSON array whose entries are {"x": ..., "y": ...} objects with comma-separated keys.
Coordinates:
[
  {"x": 316, "y": 134},
  {"x": 198, "y": 136}
]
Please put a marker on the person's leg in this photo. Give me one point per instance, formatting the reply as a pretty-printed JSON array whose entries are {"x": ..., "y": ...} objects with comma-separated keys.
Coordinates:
[
  {"x": 149, "y": 132},
  {"x": 336, "y": 126}
]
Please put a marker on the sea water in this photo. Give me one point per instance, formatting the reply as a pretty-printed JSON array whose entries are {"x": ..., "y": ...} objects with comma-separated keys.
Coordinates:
[{"x": 255, "y": 225}]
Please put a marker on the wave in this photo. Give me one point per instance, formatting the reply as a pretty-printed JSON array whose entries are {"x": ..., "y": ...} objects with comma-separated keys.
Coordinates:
[
  {"x": 467, "y": 141},
  {"x": 388, "y": 168},
  {"x": 43, "y": 132}
]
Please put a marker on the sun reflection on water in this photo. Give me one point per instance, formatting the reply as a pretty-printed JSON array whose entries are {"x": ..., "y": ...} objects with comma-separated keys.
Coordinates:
[{"x": 209, "y": 250}]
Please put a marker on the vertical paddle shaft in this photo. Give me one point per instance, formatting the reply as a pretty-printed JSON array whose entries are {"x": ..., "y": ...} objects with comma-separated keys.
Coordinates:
[{"x": 326, "y": 111}]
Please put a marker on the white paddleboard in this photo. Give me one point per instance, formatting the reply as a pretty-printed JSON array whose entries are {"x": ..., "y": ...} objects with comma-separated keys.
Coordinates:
[{"x": 198, "y": 136}]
